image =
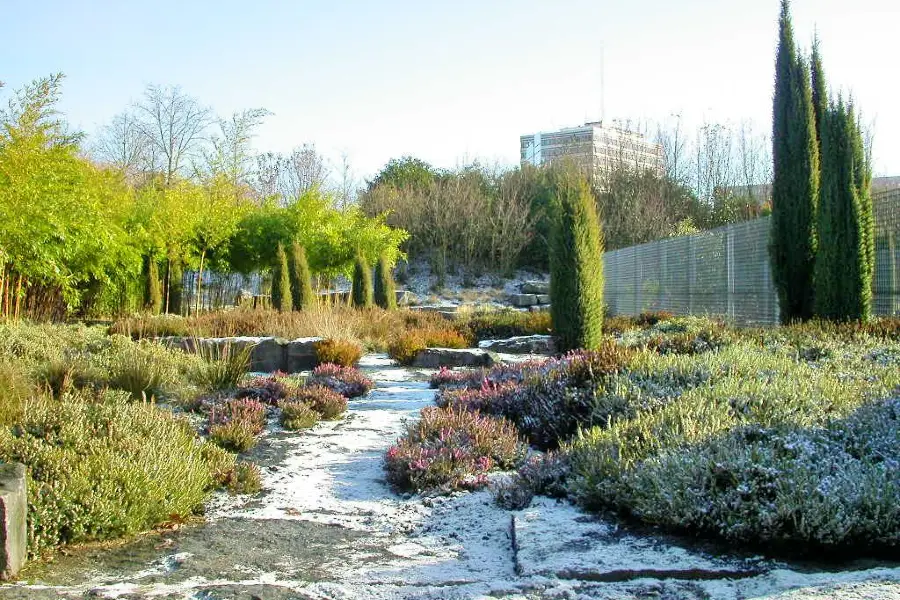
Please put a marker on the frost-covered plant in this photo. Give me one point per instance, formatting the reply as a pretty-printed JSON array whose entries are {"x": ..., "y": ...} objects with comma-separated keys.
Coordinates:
[
  {"x": 452, "y": 448},
  {"x": 347, "y": 381},
  {"x": 297, "y": 415},
  {"x": 329, "y": 404},
  {"x": 235, "y": 424},
  {"x": 267, "y": 389}
]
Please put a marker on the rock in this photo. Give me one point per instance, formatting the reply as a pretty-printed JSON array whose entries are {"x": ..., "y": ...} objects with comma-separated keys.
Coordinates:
[
  {"x": 523, "y": 300},
  {"x": 405, "y": 297},
  {"x": 535, "y": 287},
  {"x": 434, "y": 358},
  {"x": 13, "y": 509},
  {"x": 301, "y": 355},
  {"x": 523, "y": 344},
  {"x": 543, "y": 299},
  {"x": 539, "y": 308}
]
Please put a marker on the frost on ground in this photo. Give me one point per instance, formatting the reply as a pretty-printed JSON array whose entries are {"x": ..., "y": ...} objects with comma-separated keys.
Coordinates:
[{"x": 329, "y": 527}]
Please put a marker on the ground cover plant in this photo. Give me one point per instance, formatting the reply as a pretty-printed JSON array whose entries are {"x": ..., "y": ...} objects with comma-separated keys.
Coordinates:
[
  {"x": 785, "y": 436},
  {"x": 103, "y": 460}
]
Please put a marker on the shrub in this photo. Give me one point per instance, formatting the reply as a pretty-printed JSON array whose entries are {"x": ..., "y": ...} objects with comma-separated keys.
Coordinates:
[
  {"x": 803, "y": 489},
  {"x": 302, "y": 293},
  {"x": 244, "y": 478},
  {"x": 281, "y": 282},
  {"x": 576, "y": 265},
  {"x": 235, "y": 424},
  {"x": 451, "y": 448},
  {"x": 102, "y": 467},
  {"x": 329, "y": 404},
  {"x": 507, "y": 323},
  {"x": 385, "y": 290},
  {"x": 649, "y": 318},
  {"x": 347, "y": 381},
  {"x": 297, "y": 415},
  {"x": 144, "y": 370},
  {"x": 223, "y": 367},
  {"x": 361, "y": 293},
  {"x": 267, "y": 389},
  {"x": 340, "y": 352},
  {"x": 407, "y": 346}
]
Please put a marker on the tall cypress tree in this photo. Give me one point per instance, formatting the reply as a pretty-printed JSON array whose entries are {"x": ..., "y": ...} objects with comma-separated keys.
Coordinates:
[
  {"x": 385, "y": 290},
  {"x": 281, "y": 282},
  {"x": 845, "y": 262},
  {"x": 576, "y": 265},
  {"x": 819, "y": 91},
  {"x": 302, "y": 294},
  {"x": 362, "y": 295},
  {"x": 795, "y": 185}
]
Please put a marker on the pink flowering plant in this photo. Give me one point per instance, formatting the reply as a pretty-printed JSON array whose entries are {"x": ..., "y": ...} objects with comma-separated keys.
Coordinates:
[
  {"x": 452, "y": 448},
  {"x": 346, "y": 381}
]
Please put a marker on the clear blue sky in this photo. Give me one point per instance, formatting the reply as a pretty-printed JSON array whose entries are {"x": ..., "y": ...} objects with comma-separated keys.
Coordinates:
[{"x": 448, "y": 81}]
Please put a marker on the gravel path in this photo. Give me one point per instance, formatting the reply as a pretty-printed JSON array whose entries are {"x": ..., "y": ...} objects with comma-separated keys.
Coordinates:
[{"x": 328, "y": 527}]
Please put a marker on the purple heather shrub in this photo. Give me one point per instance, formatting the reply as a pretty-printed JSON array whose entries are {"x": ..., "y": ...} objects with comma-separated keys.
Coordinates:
[
  {"x": 491, "y": 398},
  {"x": 268, "y": 389},
  {"x": 346, "y": 381},
  {"x": 249, "y": 412},
  {"x": 452, "y": 448},
  {"x": 328, "y": 403}
]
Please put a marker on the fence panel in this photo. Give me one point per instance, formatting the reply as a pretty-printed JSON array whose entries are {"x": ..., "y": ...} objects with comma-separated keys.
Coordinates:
[{"x": 725, "y": 272}]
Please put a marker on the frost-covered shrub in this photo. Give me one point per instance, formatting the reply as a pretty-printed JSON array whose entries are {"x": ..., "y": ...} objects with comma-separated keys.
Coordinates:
[
  {"x": 268, "y": 389},
  {"x": 833, "y": 487},
  {"x": 451, "y": 448},
  {"x": 546, "y": 473},
  {"x": 329, "y": 404},
  {"x": 347, "y": 381},
  {"x": 244, "y": 478},
  {"x": 297, "y": 415}
]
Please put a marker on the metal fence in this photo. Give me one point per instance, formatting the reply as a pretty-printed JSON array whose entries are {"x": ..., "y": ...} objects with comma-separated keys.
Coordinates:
[{"x": 725, "y": 271}]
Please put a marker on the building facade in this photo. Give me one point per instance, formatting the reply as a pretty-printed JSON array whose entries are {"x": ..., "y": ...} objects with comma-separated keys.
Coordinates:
[{"x": 596, "y": 148}]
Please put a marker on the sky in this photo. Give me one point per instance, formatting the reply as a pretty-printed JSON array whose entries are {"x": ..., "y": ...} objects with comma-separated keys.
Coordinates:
[{"x": 449, "y": 82}]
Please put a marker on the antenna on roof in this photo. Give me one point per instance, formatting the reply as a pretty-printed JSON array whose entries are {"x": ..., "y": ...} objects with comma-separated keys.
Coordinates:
[{"x": 602, "y": 84}]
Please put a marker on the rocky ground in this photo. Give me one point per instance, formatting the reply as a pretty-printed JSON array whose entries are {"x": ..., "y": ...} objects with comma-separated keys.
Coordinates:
[{"x": 328, "y": 527}]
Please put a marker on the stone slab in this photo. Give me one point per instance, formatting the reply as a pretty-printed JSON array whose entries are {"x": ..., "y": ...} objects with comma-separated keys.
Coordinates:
[
  {"x": 535, "y": 287},
  {"x": 524, "y": 344},
  {"x": 561, "y": 541},
  {"x": 13, "y": 512},
  {"x": 543, "y": 299},
  {"x": 523, "y": 300},
  {"x": 301, "y": 355},
  {"x": 435, "y": 358}
]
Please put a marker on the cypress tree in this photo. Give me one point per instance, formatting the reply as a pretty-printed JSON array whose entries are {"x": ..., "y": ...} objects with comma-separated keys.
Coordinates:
[
  {"x": 845, "y": 260},
  {"x": 819, "y": 93},
  {"x": 176, "y": 286},
  {"x": 153, "y": 293},
  {"x": 301, "y": 279},
  {"x": 362, "y": 295},
  {"x": 281, "y": 282},
  {"x": 795, "y": 184},
  {"x": 576, "y": 264},
  {"x": 385, "y": 290}
]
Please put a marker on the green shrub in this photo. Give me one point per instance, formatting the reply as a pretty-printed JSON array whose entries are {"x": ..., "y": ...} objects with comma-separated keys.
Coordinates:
[
  {"x": 507, "y": 323},
  {"x": 451, "y": 448},
  {"x": 385, "y": 290},
  {"x": 362, "y": 294},
  {"x": 101, "y": 467},
  {"x": 297, "y": 415},
  {"x": 345, "y": 353},
  {"x": 223, "y": 367},
  {"x": 576, "y": 265},
  {"x": 244, "y": 478},
  {"x": 143, "y": 369},
  {"x": 302, "y": 292},
  {"x": 329, "y": 404}
]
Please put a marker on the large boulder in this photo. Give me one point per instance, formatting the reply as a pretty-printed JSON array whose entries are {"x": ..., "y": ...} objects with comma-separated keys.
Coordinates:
[
  {"x": 523, "y": 344},
  {"x": 301, "y": 354},
  {"x": 435, "y": 358}
]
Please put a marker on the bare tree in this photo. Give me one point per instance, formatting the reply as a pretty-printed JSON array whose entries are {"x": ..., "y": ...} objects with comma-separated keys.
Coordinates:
[
  {"x": 290, "y": 176},
  {"x": 673, "y": 140},
  {"x": 346, "y": 190},
  {"x": 174, "y": 124},
  {"x": 122, "y": 144}
]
